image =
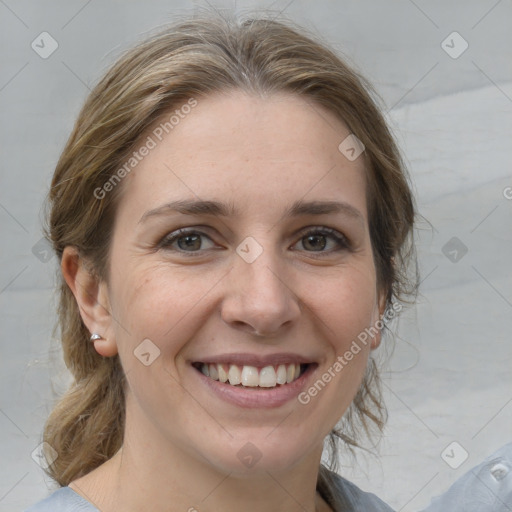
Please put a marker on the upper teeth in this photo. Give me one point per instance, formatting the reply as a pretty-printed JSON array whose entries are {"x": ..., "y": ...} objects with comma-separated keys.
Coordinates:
[{"x": 251, "y": 376}]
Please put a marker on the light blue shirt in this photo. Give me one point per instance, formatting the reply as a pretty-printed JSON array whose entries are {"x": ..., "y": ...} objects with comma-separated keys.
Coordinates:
[
  {"x": 485, "y": 488},
  {"x": 349, "y": 498},
  {"x": 63, "y": 500}
]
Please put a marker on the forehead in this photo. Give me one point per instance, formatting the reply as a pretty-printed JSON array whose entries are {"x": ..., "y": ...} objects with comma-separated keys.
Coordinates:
[{"x": 260, "y": 151}]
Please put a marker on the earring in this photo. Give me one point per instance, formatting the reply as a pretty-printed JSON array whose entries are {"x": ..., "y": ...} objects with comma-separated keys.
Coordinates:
[{"x": 95, "y": 337}]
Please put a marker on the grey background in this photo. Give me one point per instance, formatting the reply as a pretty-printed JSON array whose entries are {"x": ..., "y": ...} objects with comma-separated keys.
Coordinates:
[{"x": 449, "y": 376}]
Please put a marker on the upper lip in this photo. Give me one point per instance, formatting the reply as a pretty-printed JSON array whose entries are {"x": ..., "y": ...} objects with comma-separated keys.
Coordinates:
[{"x": 244, "y": 359}]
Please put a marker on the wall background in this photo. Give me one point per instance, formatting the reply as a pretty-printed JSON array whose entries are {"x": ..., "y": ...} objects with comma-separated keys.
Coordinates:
[{"x": 449, "y": 377}]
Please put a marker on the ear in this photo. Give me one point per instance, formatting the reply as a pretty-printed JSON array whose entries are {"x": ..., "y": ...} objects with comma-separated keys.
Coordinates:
[
  {"x": 380, "y": 308},
  {"x": 91, "y": 295}
]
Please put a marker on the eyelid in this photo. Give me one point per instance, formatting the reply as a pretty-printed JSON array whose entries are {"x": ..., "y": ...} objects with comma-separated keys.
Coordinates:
[
  {"x": 337, "y": 235},
  {"x": 169, "y": 238}
]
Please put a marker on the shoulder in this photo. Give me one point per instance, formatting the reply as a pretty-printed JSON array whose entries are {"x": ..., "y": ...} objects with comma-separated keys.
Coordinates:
[
  {"x": 63, "y": 500},
  {"x": 343, "y": 495},
  {"x": 486, "y": 487}
]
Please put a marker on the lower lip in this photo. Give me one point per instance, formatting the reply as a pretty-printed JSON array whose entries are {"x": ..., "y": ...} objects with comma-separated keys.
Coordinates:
[{"x": 250, "y": 397}]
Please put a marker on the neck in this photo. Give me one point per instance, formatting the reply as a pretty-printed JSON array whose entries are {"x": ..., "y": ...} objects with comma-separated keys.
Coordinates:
[{"x": 149, "y": 473}]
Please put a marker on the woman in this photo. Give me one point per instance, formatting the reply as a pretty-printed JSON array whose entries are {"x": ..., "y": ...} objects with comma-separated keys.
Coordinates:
[{"x": 233, "y": 222}]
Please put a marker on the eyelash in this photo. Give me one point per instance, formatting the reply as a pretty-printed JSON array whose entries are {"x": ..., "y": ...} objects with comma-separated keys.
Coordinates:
[{"x": 341, "y": 240}]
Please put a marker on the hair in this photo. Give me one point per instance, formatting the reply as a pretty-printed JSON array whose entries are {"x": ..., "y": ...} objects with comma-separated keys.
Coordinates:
[{"x": 193, "y": 58}]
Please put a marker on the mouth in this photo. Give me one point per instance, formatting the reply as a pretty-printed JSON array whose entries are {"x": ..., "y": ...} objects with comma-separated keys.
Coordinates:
[{"x": 253, "y": 377}]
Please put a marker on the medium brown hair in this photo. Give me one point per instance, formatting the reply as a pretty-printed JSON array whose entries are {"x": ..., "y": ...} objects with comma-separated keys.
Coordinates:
[{"x": 193, "y": 58}]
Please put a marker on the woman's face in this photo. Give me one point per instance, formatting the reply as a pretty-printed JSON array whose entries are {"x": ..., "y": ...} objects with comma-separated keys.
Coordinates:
[{"x": 264, "y": 274}]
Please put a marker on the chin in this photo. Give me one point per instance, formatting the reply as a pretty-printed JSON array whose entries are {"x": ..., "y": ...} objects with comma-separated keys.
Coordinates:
[{"x": 254, "y": 455}]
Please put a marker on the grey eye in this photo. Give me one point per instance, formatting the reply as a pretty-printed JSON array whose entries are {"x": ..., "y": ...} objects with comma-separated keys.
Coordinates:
[
  {"x": 189, "y": 242},
  {"x": 315, "y": 242}
]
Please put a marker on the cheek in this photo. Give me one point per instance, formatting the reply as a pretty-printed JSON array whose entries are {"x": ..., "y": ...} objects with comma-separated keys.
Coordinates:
[
  {"x": 347, "y": 303},
  {"x": 345, "y": 306},
  {"x": 156, "y": 302}
]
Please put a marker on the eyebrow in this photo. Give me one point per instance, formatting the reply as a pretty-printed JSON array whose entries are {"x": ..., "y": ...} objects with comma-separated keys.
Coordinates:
[{"x": 217, "y": 209}]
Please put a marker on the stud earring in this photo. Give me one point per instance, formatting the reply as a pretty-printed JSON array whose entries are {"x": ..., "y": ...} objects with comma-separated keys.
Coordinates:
[{"x": 95, "y": 337}]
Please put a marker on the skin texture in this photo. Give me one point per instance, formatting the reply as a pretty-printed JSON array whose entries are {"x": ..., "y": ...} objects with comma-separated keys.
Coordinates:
[{"x": 181, "y": 441}]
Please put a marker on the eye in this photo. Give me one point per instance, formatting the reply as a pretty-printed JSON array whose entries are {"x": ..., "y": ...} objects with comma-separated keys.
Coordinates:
[
  {"x": 317, "y": 239},
  {"x": 185, "y": 240},
  {"x": 323, "y": 240}
]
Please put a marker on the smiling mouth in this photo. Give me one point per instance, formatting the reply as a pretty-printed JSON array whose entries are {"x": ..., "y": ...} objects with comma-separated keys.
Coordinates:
[{"x": 267, "y": 377}]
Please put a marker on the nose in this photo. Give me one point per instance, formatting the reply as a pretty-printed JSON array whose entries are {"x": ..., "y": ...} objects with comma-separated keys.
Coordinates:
[{"x": 259, "y": 297}]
